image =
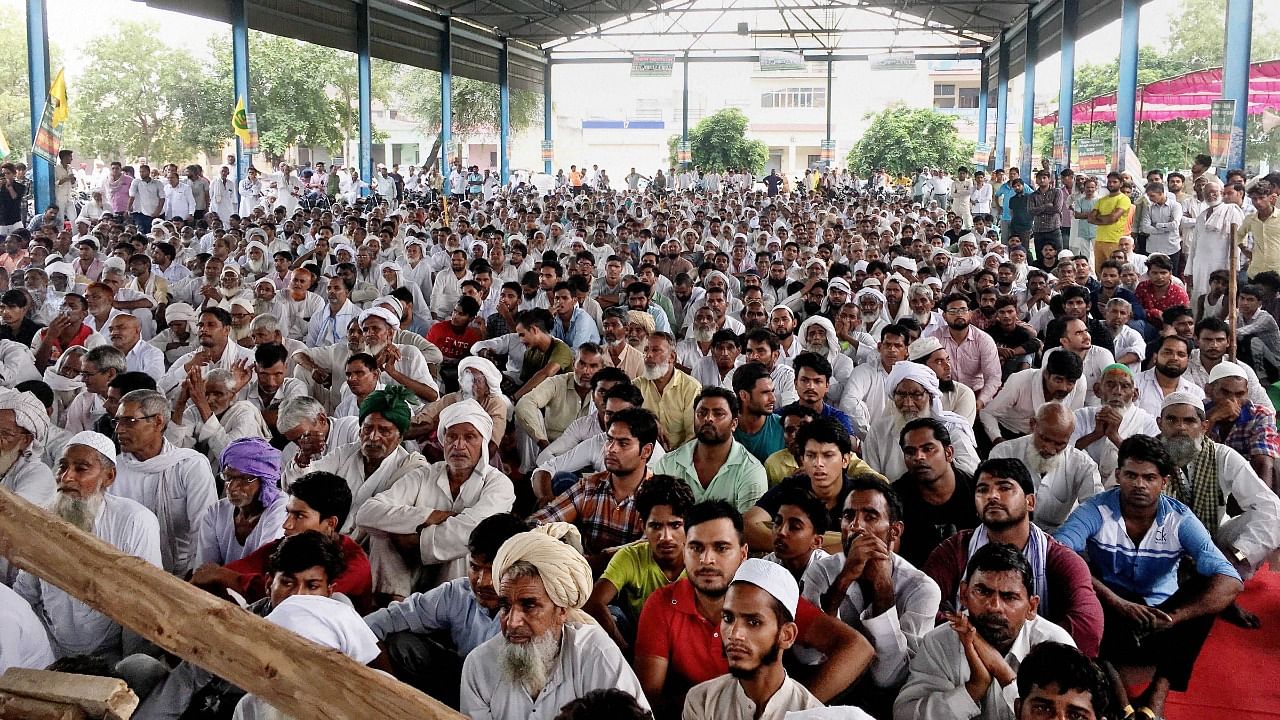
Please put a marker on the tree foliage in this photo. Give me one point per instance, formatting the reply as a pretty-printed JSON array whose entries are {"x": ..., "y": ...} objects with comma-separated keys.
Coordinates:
[
  {"x": 475, "y": 104},
  {"x": 719, "y": 142},
  {"x": 901, "y": 139}
]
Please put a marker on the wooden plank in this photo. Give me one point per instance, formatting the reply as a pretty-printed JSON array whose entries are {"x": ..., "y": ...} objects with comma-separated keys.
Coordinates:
[
  {"x": 16, "y": 707},
  {"x": 100, "y": 697},
  {"x": 297, "y": 676}
]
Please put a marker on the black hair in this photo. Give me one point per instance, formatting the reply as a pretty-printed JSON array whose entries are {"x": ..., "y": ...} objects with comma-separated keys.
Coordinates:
[
  {"x": 404, "y": 295},
  {"x": 607, "y": 703},
  {"x": 661, "y": 490},
  {"x": 269, "y": 354},
  {"x": 1001, "y": 557},
  {"x": 826, "y": 431},
  {"x": 814, "y": 362},
  {"x": 490, "y": 533},
  {"x": 1144, "y": 448},
  {"x": 1252, "y": 290},
  {"x": 222, "y": 316},
  {"x": 762, "y": 335},
  {"x": 642, "y": 423},
  {"x": 15, "y": 298},
  {"x": 803, "y": 498},
  {"x": 1064, "y": 666},
  {"x": 324, "y": 492},
  {"x": 536, "y": 317},
  {"x": 468, "y": 305},
  {"x": 1213, "y": 324},
  {"x": 364, "y": 359},
  {"x": 609, "y": 374},
  {"x": 798, "y": 410},
  {"x": 296, "y": 553},
  {"x": 746, "y": 376},
  {"x": 1160, "y": 261},
  {"x": 940, "y": 431},
  {"x": 718, "y": 392},
  {"x": 41, "y": 390},
  {"x": 874, "y": 483},
  {"x": 1007, "y": 469},
  {"x": 127, "y": 382},
  {"x": 1064, "y": 364},
  {"x": 709, "y": 510},
  {"x": 1175, "y": 338}
]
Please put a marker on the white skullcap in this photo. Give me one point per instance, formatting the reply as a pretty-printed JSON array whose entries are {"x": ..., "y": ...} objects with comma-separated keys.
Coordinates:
[
  {"x": 29, "y": 413},
  {"x": 469, "y": 412},
  {"x": 771, "y": 578},
  {"x": 923, "y": 348},
  {"x": 860, "y": 266},
  {"x": 395, "y": 266},
  {"x": 243, "y": 302},
  {"x": 61, "y": 268},
  {"x": 113, "y": 263},
  {"x": 1226, "y": 369},
  {"x": 344, "y": 247},
  {"x": 327, "y": 622},
  {"x": 265, "y": 281},
  {"x": 180, "y": 311},
  {"x": 97, "y": 441},
  {"x": 1065, "y": 255},
  {"x": 231, "y": 268},
  {"x": 1182, "y": 398},
  {"x": 382, "y": 314}
]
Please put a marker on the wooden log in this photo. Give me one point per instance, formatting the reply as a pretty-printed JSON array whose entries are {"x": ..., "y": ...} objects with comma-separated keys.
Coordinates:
[
  {"x": 17, "y": 707},
  {"x": 297, "y": 676},
  {"x": 100, "y": 697}
]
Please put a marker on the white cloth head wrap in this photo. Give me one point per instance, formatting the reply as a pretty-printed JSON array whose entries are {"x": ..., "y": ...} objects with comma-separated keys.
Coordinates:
[
  {"x": 29, "y": 413},
  {"x": 180, "y": 311},
  {"x": 922, "y": 374},
  {"x": 97, "y": 441},
  {"x": 471, "y": 412},
  {"x": 381, "y": 313},
  {"x": 485, "y": 367},
  {"x": 833, "y": 343},
  {"x": 565, "y": 573},
  {"x": 327, "y": 622}
]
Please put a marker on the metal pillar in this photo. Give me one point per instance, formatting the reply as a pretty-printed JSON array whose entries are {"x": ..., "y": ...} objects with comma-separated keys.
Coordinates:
[
  {"x": 1030, "y": 57},
  {"x": 38, "y": 92},
  {"x": 446, "y": 95},
  {"x": 240, "y": 75},
  {"x": 984, "y": 101},
  {"x": 547, "y": 116},
  {"x": 1067, "y": 76},
  {"x": 1235, "y": 75},
  {"x": 504, "y": 114},
  {"x": 364, "y": 78},
  {"x": 830, "y": 149},
  {"x": 1002, "y": 100},
  {"x": 1127, "y": 91},
  {"x": 684, "y": 109}
]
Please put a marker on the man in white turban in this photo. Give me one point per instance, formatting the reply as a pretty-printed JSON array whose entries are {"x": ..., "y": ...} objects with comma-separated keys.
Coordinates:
[
  {"x": 418, "y": 528},
  {"x": 549, "y": 651},
  {"x": 479, "y": 380},
  {"x": 24, "y": 426},
  {"x": 913, "y": 393},
  {"x": 400, "y": 364},
  {"x": 86, "y": 470},
  {"x": 817, "y": 335}
]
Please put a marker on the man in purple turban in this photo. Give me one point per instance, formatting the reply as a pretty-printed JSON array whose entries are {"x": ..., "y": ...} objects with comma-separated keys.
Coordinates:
[{"x": 252, "y": 513}]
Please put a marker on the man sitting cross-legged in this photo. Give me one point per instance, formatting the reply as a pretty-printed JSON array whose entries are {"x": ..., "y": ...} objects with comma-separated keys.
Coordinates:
[{"x": 1136, "y": 538}]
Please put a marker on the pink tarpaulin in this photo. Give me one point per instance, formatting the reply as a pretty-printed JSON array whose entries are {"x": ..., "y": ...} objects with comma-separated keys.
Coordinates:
[{"x": 1181, "y": 97}]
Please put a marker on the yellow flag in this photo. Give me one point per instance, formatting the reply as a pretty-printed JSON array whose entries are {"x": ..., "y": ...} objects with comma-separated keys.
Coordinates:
[
  {"x": 58, "y": 100},
  {"x": 240, "y": 121}
]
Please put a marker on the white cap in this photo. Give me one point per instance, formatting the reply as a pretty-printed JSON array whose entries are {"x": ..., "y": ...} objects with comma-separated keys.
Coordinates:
[
  {"x": 923, "y": 348},
  {"x": 179, "y": 311},
  {"x": 61, "y": 268},
  {"x": 97, "y": 441},
  {"x": 1182, "y": 398},
  {"x": 773, "y": 579},
  {"x": 113, "y": 263},
  {"x": 1226, "y": 369}
]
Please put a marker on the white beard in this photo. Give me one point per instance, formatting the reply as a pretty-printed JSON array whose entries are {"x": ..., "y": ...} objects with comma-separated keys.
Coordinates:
[
  {"x": 530, "y": 664},
  {"x": 822, "y": 350},
  {"x": 467, "y": 386},
  {"x": 1039, "y": 464},
  {"x": 8, "y": 458},
  {"x": 81, "y": 512},
  {"x": 374, "y": 350},
  {"x": 702, "y": 336},
  {"x": 657, "y": 372}
]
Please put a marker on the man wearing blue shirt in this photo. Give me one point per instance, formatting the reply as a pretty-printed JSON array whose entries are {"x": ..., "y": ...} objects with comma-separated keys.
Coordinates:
[
  {"x": 572, "y": 325},
  {"x": 1002, "y": 196},
  {"x": 1135, "y": 538}
]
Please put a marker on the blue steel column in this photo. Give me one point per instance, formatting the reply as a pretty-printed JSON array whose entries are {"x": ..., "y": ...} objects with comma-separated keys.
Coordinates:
[
  {"x": 1127, "y": 91},
  {"x": 240, "y": 72},
  {"x": 1030, "y": 56},
  {"x": 1235, "y": 75},
  {"x": 1002, "y": 100},
  {"x": 547, "y": 115},
  {"x": 38, "y": 90},
  {"x": 504, "y": 114},
  {"x": 364, "y": 78},
  {"x": 446, "y": 95},
  {"x": 684, "y": 107},
  {"x": 983, "y": 101},
  {"x": 1067, "y": 76}
]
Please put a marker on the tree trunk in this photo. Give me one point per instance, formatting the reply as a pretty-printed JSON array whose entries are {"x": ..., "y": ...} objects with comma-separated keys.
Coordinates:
[{"x": 435, "y": 148}]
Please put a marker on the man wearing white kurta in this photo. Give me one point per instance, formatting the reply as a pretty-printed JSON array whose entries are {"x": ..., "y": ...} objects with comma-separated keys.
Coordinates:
[
  {"x": 881, "y": 447},
  {"x": 89, "y": 469},
  {"x": 216, "y": 351},
  {"x": 1064, "y": 475},
  {"x": 24, "y": 643},
  {"x": 214, "y": 418},
  {"x": 176, "y": 484},
  {"x": 546, "y": 657},
  {"x": 223, "y": 194},
  {"x": 24, "y": 430},
  {"x": 1100, "y": 430},
  {"x": 436, "y": 508},
  {"x": 1026, "y": 390}
]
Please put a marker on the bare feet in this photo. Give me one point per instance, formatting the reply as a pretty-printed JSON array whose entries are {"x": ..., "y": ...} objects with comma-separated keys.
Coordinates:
[{"x": 1237, "y": 615}]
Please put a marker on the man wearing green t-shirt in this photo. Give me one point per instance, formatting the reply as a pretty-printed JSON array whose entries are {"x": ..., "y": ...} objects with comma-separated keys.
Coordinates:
[
  {"x": 641, "y": 567},
  {"x": 544, "y": 356},
  {"x": 1110, "y": 215},
  {"x": 759, "y": 430}
]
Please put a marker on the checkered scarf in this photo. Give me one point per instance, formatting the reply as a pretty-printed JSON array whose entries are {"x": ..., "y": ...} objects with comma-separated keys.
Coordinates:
[{"x": 1198, "y": 487}]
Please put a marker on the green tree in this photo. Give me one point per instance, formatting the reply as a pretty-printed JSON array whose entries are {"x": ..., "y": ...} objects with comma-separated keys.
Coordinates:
[
  {"x": 719, "y": 142},
  {"x": 475, "y": 105},
  {"x": 15, "y": 110},
  {"x": 901, "y": 139}
]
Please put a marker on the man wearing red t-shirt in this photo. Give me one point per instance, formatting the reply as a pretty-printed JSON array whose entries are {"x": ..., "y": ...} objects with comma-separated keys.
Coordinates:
[
  {"x": 456, "y": 336},
  {"x": 678, "y": 639},
  {"x": 317, "y": 501}
]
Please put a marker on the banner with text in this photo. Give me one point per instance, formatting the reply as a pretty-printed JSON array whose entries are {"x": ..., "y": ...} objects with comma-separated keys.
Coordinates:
[
  {"x": 1221, "y": 115},
  {"x": 1091, "y": 154},
  {"x": 777, "y": 60},
  {"x": 892, "y": 61},
  {"x": 652, "y": 65}
]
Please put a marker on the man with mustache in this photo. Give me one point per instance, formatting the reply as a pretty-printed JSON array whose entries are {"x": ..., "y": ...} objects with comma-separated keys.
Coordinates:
[
  {"x": 549, "y": 652},
  {"x": 678, "y": 643},
  {"x": 1237, "y": 421},
  {"x": 668, "y": 391},
  {"x": 85, "y": 472},
  {"x": 1211, "y": 475},
  {"x": 1136, "y": 539},
  {"x": 757, "y": 624},
  {"x": 967, "y": 667},
  {"x": 466, "y": 608},
  {"x": 1167, "y": 374},
  {"x": 914, "y": 394},
  {"x": 1062, "y": 475},
  {"x": 1100, "y": 430}
]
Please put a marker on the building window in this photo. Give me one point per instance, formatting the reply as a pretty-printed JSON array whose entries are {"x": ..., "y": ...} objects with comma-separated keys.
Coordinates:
[
  {"x": 968, "y": 97},
  {"x": 813, "y": 161},
  {"x": 807, "y": 97},
  {"x": 944, "y": 95}
]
